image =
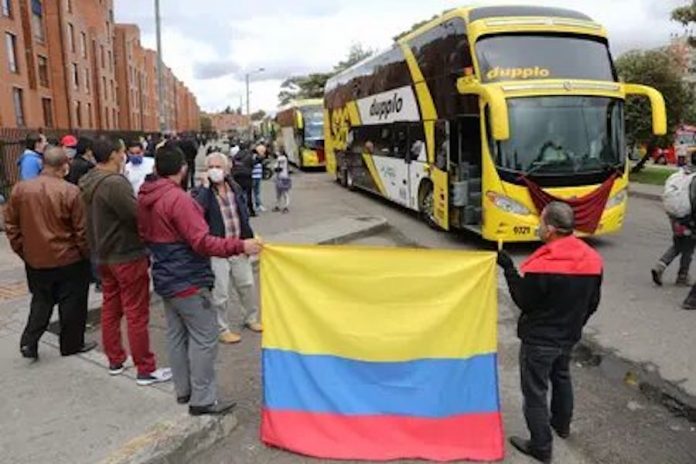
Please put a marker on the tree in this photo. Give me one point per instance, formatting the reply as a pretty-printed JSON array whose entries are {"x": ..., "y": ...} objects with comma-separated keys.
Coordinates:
[
  {"x": 227, "y": 110},
  {"x": 355, "y": 55},
  {"x": 258, "y": 115},
  {"x": 658, "y": 69},
  {"x": 312, "y": 85},
  {"x": 206, "y": 123},
  {"x": 238, "y": 110},
  {"x": 686, "y": 15},
  {"x": 418, "y": 25}
]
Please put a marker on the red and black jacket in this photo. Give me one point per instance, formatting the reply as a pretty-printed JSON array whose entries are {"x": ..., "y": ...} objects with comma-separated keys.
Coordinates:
[{"x": 560, "y": 288}]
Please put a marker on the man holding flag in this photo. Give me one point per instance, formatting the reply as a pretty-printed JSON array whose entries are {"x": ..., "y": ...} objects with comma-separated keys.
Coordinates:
[{"x": 558, "y": 292}]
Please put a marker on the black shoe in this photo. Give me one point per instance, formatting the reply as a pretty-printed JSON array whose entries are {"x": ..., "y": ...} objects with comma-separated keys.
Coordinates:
[
  {"x": 86, "y": 348},
  {"x": 561, "y": 432},
  {"x": 689, "y": 304},
  {"x": 29, "y": 353},
  {"x": 524, "y": 447},
  {"x": 183, "y": 399},
  {"x": 216, "y": 409},
  {"x": 657, "y": 276}
]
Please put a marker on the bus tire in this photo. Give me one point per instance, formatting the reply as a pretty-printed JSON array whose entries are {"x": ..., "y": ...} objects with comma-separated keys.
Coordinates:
[{"x": 426, "y": 203}]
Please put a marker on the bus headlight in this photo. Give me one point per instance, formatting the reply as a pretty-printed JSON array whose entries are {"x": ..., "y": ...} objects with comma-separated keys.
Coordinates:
[
  {"x": 508, "y": 204},
  {"x": 616, "y": 200}
]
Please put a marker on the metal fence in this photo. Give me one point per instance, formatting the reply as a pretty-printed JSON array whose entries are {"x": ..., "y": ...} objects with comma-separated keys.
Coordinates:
[{"x": 12, "y": 145}]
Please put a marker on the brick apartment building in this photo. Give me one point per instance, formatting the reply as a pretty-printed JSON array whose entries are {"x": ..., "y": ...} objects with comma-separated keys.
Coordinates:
[
  {"x": 66, "y": 64},
  {"x": 226, "y": 122}
]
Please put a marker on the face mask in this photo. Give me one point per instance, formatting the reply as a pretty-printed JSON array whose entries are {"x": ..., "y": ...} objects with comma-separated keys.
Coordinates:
[
  {"x": 70, "y": 153},
  {"x": 216, "y": 175},
  {"x": 135, "y": 160}
]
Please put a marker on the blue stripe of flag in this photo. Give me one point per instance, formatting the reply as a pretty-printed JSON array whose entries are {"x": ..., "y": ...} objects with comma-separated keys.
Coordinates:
[{"x": 420, "y": 388}]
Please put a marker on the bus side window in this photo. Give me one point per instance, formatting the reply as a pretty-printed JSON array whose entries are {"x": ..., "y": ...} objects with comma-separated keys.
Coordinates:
[
  {"x": 469, "y": 140},
  {"x": 400, "y": 149},
  {"x": 416, "y": 142}
]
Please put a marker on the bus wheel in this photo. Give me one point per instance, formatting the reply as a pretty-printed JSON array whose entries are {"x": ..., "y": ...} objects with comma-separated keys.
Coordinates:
[{"x": 427, "y": 204}]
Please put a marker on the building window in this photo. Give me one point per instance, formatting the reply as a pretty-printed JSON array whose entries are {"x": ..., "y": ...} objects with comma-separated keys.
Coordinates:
[
  {"x": 103, "y": 57},
  {"x": 69, "y": 2},
  {"x": 111, "y": 62},
  {"x": 107, "y": 118},
  {"x": 11, "y": 45},
  {"x": 76, "y": 76},
  {"x": 87, "y": 82},
  {"x": 37, "y": 20},
  {"x": 89, "y": 115},
  {"x": 114, "y": 119},
  {"x": 7, "y": 8},
  {"x": 105, "y": 89},
  {"x": 71, "y": 37},
  {"x": 47, "y": 106},
  {"x": 83, "y": 44},
  {"x": 18, "y": 101},
  {"x": 78, "y": 113},
  {"x": 43, "y": 71},
  {"x": 113, "y": 90}
]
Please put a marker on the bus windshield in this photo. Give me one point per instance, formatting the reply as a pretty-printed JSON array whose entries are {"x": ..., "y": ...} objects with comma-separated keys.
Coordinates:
[
  {"x": 519, "y": 57},
  {"x": 562, "y": 135},
  {"x": 313, "y": 123}
]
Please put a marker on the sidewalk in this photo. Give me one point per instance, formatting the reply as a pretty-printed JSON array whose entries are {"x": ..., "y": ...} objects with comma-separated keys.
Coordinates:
[{"x": 68, "y": 410}]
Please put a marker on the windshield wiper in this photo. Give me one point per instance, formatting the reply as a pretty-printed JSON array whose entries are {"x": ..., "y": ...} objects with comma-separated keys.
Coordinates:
[{"x": 536, "y": 165}]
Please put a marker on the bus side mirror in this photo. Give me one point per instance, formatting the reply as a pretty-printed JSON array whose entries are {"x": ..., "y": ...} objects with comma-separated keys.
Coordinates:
[
  {"x": 495, "y": 98},
  {"x": 657, "y": 104}
]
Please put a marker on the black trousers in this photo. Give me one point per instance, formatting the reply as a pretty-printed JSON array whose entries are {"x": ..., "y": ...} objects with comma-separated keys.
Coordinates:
[
  {"x": 538, "y": 366},
  {"x": 247, "y": 186},
  {"x": 191, "y": 174},
  {"x": 67, "y": 287}
]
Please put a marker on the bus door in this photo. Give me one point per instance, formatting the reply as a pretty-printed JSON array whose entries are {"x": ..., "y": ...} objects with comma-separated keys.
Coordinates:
[{"x": 466, "y": 169}]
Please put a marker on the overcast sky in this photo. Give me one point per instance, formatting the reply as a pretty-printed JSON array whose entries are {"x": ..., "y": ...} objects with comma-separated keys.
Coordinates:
[{"x": 211, "y": 43}]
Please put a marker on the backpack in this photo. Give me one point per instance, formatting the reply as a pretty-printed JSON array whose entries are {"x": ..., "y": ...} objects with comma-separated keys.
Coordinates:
[{"x": 676, "y": 197}]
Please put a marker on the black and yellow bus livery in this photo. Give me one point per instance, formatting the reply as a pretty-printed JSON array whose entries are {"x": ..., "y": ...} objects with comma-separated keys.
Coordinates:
[{"x": 458, "y": 116}]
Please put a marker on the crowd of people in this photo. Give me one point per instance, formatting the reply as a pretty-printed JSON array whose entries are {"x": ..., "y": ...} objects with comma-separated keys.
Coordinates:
[{"x": 119, "y": 213}]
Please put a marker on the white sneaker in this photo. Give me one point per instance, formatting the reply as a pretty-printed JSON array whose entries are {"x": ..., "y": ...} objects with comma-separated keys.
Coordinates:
[
  {"x": 159, "y": 376},
  {"x": 261, "y": 209}
]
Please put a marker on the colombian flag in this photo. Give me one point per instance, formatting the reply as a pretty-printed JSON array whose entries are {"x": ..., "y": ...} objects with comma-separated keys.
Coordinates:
[{"x": 380, "y": 354}]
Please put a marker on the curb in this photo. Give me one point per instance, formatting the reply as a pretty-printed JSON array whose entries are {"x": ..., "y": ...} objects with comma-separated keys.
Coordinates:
[
  {"x": 180, "y": 440},
  {"x": 174, "y": 442},
  {"x": 644, "y": 376},
  {"x": 645, "y": 195}
]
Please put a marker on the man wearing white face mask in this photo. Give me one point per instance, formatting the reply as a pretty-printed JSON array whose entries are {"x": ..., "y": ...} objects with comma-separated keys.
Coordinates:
[{"x": 227, "y": 216}]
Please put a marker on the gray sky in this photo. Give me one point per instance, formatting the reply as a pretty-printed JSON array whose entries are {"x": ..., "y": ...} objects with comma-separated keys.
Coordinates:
[{"x": 211, "y": 43}]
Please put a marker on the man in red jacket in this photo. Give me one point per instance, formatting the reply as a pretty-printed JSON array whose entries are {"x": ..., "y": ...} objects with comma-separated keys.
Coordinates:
[
  {"x": 558, "y": 292},
  {"x": 173, "y": 228}
]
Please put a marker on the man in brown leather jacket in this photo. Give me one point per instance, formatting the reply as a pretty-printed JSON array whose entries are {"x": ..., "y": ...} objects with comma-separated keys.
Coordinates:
[{"x": 45, "y": 223}]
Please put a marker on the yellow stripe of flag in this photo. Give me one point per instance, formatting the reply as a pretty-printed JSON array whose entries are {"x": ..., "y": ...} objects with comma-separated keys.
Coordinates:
[{"x": 385, "y": 304}]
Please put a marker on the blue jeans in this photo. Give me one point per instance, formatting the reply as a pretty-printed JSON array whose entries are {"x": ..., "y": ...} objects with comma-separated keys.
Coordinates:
[{"x": 256, "y": 185}]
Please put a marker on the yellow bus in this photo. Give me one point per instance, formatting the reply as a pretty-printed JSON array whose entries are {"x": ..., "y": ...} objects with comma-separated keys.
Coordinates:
[
  {"x": 301, "y": 133},
  {"x": 483, "y": 115}
]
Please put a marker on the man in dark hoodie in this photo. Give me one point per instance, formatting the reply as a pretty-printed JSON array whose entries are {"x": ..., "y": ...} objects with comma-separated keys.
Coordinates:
[
  {"x": 112, "y": 231},
  {"x": 172, "y": 225},
  {"x": 82, "y": 163},
  {"x": 558, "y": 291}
]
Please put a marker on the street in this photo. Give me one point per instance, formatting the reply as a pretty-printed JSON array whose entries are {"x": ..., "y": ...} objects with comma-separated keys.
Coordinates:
[{"x": 615, "y": 421}]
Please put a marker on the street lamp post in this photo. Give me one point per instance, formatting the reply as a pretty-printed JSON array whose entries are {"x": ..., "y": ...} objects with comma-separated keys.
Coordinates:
[
  {"x": 160, "y": 83},
  {"x": 248, "y": 108}
]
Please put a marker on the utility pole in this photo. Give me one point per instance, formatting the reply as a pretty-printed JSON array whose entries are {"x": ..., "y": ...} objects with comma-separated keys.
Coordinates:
[
  {"x": 160, "y": 83},
  {"x": 248, "y": 105}
]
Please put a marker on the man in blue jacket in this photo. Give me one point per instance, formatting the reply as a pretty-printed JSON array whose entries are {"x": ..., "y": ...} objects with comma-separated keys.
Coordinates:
[
  {"x": 227, "y": 216},
  {"x": 31, "y": 162}
]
